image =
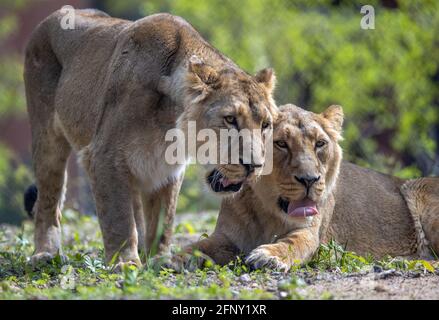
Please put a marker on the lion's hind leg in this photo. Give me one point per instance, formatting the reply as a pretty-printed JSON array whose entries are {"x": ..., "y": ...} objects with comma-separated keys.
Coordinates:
[
  {"x": 422, "y": 197},
  {"x": 165, "y": 197},
  {"x": 50, "y": 154},
  {"x": 50, "y": 149},
  {"x": 169, "y": 196}
]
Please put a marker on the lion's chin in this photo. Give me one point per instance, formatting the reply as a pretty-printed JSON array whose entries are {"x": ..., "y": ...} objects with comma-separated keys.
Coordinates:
[
  {"x": 298, "y": 209},
  {"x": 221, "y": 184}
]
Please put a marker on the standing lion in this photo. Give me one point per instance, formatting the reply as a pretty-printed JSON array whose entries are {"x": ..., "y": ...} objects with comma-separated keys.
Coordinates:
[{"x": 110, "y": 90}]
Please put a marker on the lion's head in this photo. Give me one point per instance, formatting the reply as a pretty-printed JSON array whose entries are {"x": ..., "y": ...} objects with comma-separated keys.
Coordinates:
[
  {"x": 226, "y": 99},
  {"x": 306, "y": 161}
]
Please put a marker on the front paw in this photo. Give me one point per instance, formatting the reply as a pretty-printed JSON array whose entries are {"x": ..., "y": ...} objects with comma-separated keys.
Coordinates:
[
  {"x": 42, "y": 259},
  {"x": 120, "y": 266},
  {"x": 263, "y": 256}
]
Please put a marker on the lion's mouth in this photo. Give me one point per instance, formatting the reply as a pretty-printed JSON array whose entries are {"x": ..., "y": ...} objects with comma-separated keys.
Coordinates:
[
  {"x": 301, "y": 208},
  {"x": 219, "y": 183}
]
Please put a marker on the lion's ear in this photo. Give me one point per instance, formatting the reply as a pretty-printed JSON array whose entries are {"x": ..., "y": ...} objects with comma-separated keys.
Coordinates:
[
  {"x": 205, "y": 73},
  {"x": 335, "y": 115},
  {"x": 199, "y": 78},
  {"x": 267, "y": 78}
]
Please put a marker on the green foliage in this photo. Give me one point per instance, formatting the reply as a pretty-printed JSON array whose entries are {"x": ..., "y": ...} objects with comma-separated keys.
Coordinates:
[
  {"x": 12, "y": 99},
  {"x": 11, "y": 69},
  {"x": 14, "y": 179},
  {"x": 332, "y": 256}
]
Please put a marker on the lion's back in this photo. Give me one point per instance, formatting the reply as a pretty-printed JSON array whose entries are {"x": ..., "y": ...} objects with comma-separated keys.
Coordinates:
[{"x": 370, "y": 214}]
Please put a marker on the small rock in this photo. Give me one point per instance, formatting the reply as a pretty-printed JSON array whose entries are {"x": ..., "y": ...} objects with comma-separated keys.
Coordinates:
[
  {"x": 377, "y": 269},
  {"x": 245, "y": 278},
  {"x": 413, "y": 274},
  {"x": 386, "y": 274},
  {"x": 380, "y": 288},
  {"x": 119, "y": 284},
  {"x": 283, "y": 284},
  {"x": 283, "y": 294},
  {"x": 302, "y": 292}
]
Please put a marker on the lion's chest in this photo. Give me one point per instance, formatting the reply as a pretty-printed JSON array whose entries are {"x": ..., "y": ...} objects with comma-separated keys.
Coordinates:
[{"x": 152, "y": 170}]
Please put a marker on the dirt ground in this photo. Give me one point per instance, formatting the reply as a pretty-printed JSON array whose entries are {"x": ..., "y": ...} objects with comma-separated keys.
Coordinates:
[{"x": 384, "y": 285}]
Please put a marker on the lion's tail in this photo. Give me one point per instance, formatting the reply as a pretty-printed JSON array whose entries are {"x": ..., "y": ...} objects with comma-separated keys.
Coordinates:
[{"x": 29, "y": 199}]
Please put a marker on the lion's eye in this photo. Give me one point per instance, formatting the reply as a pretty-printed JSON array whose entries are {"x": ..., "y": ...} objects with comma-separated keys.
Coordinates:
[
  {"x": 320, "y": 143},
  {"x": 231, "y": 120},
  {"x": 281, "y": 144},
  {"x": 265, "y": 125}
]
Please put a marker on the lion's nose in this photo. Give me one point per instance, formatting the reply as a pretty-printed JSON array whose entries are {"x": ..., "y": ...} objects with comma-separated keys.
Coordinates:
[{"x": 307, "y": 180}]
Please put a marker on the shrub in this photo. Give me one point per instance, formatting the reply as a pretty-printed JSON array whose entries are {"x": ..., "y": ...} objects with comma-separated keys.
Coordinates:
[{"x": 14, "y": 179}]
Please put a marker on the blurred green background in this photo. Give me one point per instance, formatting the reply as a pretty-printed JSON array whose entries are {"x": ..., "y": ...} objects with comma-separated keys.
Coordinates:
[{"x": 387, "y": 79}]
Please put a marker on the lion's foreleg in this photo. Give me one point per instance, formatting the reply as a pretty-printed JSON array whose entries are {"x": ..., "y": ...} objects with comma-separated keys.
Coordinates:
[
  {"x": 113, "y": 194},
  {"x": 296, "y": 248}
]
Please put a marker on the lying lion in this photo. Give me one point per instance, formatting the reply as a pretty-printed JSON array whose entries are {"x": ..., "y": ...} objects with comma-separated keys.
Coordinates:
[
  {"x": 111, "y": 89},
  {"x": 312, "y": 197}
]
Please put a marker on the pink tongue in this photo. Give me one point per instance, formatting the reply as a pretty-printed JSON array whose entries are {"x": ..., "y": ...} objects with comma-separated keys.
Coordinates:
[
  {"x": 226, "y": 182},
  {"x": 304, "y": 208}
]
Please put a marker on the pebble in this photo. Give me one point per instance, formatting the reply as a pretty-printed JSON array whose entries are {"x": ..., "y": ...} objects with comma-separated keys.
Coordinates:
[
  {"x": 377, "y": 269},
  {"x": 388, "y": 273},
  {"x": 283, "y": 284},
  {"x": 413, "y": 274},
  {"x": 380, "y": 288},
  {"x": 245, "y": 278},
  {"x": 235, "y": 293}
]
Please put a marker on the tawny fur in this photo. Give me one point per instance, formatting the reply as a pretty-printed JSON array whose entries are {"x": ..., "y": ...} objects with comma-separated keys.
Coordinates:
[
  {"x": 363, "y": 210},
  {"x": 110, "y": 90}
]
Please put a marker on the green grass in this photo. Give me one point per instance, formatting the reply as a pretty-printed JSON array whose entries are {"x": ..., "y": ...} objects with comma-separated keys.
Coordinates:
[{"x": 86, "y": 276}]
